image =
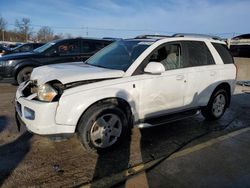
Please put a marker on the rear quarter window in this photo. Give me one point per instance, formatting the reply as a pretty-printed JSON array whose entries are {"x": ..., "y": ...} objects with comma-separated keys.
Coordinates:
[{"x": 224, "y": 53}]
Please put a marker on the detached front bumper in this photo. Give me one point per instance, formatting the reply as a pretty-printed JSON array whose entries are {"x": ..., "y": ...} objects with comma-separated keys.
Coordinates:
[{"x": 38, "y": 117}]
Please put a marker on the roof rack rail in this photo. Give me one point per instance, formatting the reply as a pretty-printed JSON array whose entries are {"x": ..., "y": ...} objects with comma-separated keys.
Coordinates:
[
  {"x": 111, "y": 38},
  {"x": 151, "y": 36},
  {"x": 197, "y": 35}
]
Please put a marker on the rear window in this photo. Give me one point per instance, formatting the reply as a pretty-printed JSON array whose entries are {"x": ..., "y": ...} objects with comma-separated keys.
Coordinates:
[
  {"x": 224, "y": 53},
  {"x": 198, "y": 54}
]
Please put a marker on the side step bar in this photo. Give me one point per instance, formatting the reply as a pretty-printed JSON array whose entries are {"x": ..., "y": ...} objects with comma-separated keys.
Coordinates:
[{"x": 160, "y": 120}]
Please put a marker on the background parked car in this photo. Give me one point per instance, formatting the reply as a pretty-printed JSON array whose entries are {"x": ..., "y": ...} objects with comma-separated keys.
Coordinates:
[
  {"x": 13, "y": 45},
  {"x": 3, "y": 50},
  {"x": 18, "y": 67},
  {"x": 240, "y": 50},
  {"x": 240, "y": 46},
  {"x": 27, "y": 47}
]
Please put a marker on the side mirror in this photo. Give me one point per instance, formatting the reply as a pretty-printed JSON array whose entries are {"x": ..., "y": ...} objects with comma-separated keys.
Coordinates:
[{"x": 154, "y": 68}]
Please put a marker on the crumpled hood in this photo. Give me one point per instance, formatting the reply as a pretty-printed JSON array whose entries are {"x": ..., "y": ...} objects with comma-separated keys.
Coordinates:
[{"x": 72, "y": 72}]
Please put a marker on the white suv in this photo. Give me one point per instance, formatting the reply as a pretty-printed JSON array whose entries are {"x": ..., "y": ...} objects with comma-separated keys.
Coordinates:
[{"x": 145, "y": 81}]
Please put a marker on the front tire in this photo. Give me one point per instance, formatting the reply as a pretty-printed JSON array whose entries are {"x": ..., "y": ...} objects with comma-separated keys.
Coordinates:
[
  {"x": 216, "y": 106},
  {"x": 24, "y": 75},
  {"x": 102, "y": 127}
]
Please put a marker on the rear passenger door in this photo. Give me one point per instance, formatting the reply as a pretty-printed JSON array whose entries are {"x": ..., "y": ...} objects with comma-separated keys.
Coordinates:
[{"x": 201, "y": 72}]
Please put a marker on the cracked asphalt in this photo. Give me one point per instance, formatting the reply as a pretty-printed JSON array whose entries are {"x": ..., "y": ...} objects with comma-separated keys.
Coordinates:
[{"x": 32, "y": 160}]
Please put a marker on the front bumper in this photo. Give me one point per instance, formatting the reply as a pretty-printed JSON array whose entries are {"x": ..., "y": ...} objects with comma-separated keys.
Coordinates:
[{"x": 39, "y": 117}]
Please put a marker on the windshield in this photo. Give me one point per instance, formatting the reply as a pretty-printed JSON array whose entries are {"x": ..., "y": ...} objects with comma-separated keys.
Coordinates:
[
  {"x": 43, "y": 47},
  {"x": 119, "y": 55}
]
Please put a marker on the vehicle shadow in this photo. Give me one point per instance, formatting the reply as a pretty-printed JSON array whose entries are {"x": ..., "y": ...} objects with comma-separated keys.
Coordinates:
[
  {"x": 12, "y": 154},
  {"x": 164, "y": 140},
  {"x": 3, "y": 123},
  {"x": 112, "y": 162},
  {"x": 115, "y": 159}
]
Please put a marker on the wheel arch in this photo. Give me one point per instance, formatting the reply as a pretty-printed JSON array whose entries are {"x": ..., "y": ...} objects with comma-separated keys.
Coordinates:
[
  {"x": 22, "y": 65},
  {"x": 122, "y": 103},
  {"x": 227, "y": 87}
]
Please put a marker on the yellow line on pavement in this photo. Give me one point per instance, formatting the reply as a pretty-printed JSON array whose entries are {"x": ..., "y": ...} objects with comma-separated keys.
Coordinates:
[
  {"x": 207, "y": 144},
  {"x": 122, "y": 176}
]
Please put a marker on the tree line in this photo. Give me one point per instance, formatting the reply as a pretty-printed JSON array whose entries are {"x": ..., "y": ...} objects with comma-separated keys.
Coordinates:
[{"x": 23, "y": 32}]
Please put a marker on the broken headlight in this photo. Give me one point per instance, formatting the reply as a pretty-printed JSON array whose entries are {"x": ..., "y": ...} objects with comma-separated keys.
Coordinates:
[{"x": 46, "y": 93}]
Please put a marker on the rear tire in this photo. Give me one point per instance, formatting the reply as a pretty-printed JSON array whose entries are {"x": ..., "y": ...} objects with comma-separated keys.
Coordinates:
[
  {"x": 102, "y": 127},
  {"x": 217, "y": 105},
  {"x": 24, "y": 75}
]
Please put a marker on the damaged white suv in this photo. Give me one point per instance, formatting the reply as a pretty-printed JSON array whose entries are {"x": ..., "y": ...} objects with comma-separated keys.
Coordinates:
[{"x": 144, "y": 81}]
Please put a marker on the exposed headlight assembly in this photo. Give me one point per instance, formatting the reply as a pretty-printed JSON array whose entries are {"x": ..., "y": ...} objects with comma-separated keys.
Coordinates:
[{"x": 46, "y": 93}]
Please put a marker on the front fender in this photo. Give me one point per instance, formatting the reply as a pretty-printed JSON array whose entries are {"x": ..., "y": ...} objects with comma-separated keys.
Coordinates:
[{"x": 72, "y": 106}]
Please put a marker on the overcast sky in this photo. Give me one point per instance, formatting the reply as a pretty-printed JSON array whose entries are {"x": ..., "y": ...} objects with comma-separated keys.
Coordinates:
[{"x": 127, "y": 18}]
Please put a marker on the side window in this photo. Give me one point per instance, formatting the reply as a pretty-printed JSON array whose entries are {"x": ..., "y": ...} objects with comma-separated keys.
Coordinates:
[
  {"x": 106, "y": 43},
  {"x": 224, "y": 53},
  {"x": 198, "y": 54},
  {"x": 86, "y": 47},
  {"x": 98, "y": 46},
  {"x": 169, "y": 55},
  {"x": 68, "y": 48}
]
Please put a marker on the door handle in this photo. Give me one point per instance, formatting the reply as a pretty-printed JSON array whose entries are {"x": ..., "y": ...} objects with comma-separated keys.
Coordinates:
[
  {"x": 179, "y": 77},
  {"x": 212, "y": 73}
]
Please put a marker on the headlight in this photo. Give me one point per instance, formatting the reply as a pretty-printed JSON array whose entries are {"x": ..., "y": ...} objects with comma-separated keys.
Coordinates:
[
  {"x": 46, "y": 92},
  {"x": 3, "y": 63}
]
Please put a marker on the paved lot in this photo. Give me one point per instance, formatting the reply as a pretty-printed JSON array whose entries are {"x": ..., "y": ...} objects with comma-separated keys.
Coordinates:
[
  {"x": 219, "y": 162},
  {"x": 31, "y": 160}
]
